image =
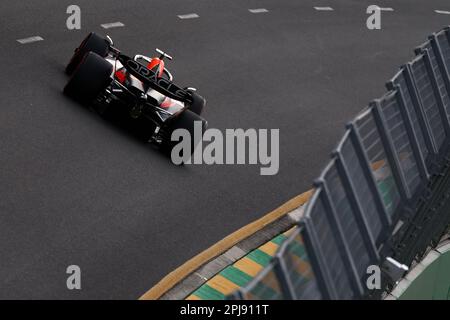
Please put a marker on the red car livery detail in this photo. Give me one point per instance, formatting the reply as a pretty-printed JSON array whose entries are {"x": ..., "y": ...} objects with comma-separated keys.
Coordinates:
[
  {"x": 121, "y": 75},
  {"x": 157, "y": 66}
]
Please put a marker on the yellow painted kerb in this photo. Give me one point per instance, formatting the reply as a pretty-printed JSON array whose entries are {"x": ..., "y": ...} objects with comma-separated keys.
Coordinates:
[{"x": 223, "y": 245}]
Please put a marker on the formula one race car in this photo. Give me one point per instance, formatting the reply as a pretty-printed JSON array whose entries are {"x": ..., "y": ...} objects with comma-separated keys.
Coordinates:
[{"x": 141, "y": 86}]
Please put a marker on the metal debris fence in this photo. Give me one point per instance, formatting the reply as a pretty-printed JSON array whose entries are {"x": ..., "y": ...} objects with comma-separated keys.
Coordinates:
[{"x": 384, "y": 193}]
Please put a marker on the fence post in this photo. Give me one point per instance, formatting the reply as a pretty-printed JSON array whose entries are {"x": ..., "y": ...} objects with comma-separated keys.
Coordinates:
[
  {"x": 281, "y": 272},
  {"x": 311, "y": 241},
  {"x": 237, "y": 295},
  {"x": 426, "y": 130},
  {"x": 447, "y": 32},
  {"x": 391, "y": 155},
  {"x": 365, "y": 164},
  {"x": 347, "y": 259},
  {"x": 420, "y": 160},
  {"x": 354, "y": 202},
  {"x": 440, "y": 60},
  {"x": 436, "y": 91}
]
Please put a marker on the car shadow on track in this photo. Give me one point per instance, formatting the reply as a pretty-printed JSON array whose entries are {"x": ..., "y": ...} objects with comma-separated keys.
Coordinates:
[{"x": 118, "y": 119}]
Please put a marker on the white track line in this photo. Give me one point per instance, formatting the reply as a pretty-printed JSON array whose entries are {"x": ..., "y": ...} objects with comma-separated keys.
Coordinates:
[
  {"x": 386, "y": 9},
  {"x": 112, "y": 25},
  {"x": 188, "y": 16},
  {"x": 442, "y": 11},
  {"x": 30, "y": 40},
  {"x": 324, "y": 8},
  {"x": 259, "y": 10}
]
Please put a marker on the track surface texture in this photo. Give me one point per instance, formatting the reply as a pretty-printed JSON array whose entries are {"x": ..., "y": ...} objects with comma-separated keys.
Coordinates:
[{"x": 75, "y": 189}]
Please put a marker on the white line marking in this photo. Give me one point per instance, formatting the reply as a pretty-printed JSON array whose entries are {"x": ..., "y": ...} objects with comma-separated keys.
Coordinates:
[
  {"x": 259, "y": 10},
  {"x": 30, "y": 39},
  {"x": 112, "y": 25},
  {"x": 442, "y": 11},
  {"x": 386, "y": 9},
  {"x": 324, "y": 8},
  {"x": 188, "y": 16}
]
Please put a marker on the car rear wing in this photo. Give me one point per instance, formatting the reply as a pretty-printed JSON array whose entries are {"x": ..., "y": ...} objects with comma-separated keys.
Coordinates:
[{"x": 149, "y": 77}]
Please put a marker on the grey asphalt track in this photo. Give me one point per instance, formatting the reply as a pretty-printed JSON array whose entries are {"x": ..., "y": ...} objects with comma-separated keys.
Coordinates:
[{"x": 75, "y": 189}]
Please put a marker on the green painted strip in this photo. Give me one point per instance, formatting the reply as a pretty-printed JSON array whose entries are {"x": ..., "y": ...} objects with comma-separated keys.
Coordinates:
[
  {"x": 236, "y": 276},
  {"x": 279, "y": 239},
  {"x": 297, "y": 249},
  {"x": 205, "y": 292},
  {"x": 260, "y": 257}
]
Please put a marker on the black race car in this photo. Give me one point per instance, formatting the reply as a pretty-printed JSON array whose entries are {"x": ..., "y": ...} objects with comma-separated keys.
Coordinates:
[{"x": 104, "y": 77}]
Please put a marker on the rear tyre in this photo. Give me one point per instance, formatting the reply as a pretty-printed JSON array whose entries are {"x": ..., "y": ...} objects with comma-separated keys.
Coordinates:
[
  {"x": 92, "y": 42},
  {"x": 198, "y": 103},
  {"x": 92, "y": 75},
  {"x": 188, "y": 120}
]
